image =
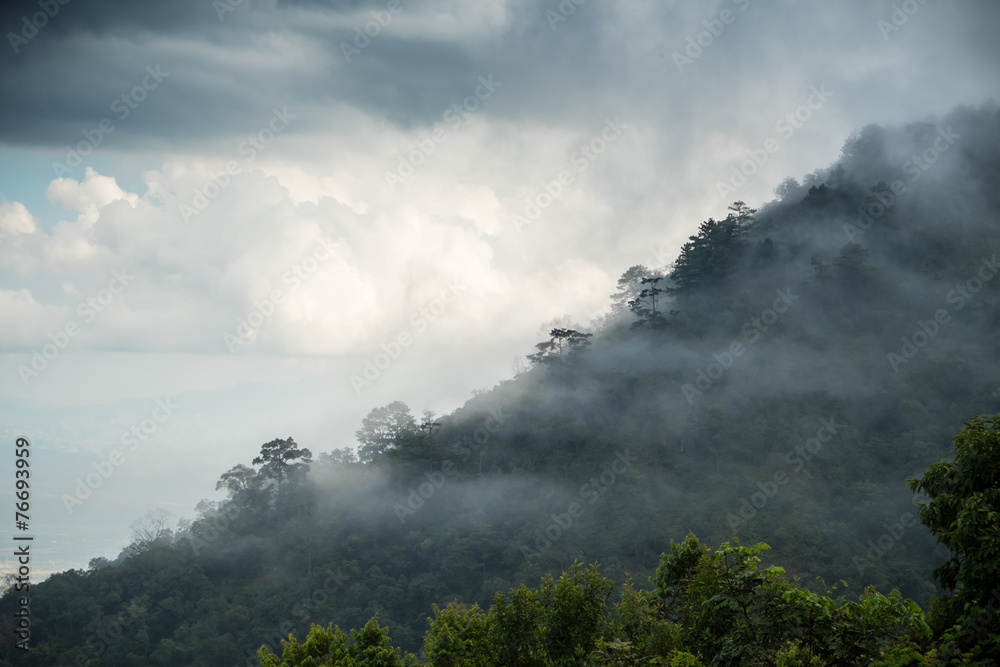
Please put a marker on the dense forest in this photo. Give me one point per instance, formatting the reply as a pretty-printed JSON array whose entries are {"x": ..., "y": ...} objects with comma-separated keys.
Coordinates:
[{"x": 777, "y": 384}]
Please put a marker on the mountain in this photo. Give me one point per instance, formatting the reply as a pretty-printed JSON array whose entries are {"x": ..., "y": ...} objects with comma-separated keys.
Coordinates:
[{"x": 779, "y": 382}]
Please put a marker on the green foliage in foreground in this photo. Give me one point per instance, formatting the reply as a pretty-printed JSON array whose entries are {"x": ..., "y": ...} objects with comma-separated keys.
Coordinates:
[
  {"x": 963, "y": 512},
  {"x": 723, "y": 609}
]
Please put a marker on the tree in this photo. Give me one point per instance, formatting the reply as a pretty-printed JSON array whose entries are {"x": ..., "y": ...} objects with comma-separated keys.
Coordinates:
[
  {"x": 561, "y": 344},
  {"x": 628, "y": 287},
  {"x": 457, "y": 636},
  {"x": 742, "y": 215},
  {"x": 149, "y": 529},
  {"x": 866, "y": 147},
  {"x": 338, "y": 459},
  {"x": 729, "y": 610},
  {"x": 732, "y": 612},
  {"x": 329, "y": 647},
  {"x": 514, "y": 628},
  {"x": 764, "y": 251},
  {"x": 675, "y": 572},
  {"x": 644, "y": 305},
  {"x": 238, "y": 479},
  {"x": 788, "y": 187},
  {"x": 10, "y": 578},
  {"x": 851, "y": 266},
  {"x": 383, "y": 429},
  {"x": 98, "y": 563},
  {"x": 277, "y": 460},
  {"x": 575, "y": 616},
  {"x": 371, "y": 646},
  {"x": 709, "y": 257},
  {"x": 640, "y": 629},
  {"x": 429, "y": 427},
  {"x": 278, "y": 466},
  {"x": 247, "y": 488},
  {"x": 963, "y": 513},
  {"x": 424, "y": 448}
]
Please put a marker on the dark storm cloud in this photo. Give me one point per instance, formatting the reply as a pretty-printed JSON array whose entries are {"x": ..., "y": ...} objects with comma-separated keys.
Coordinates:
[
  {"x": 102, "y": 18},
  {"x": 224, "y": 73},
  {"x": 558, "y": 67}
]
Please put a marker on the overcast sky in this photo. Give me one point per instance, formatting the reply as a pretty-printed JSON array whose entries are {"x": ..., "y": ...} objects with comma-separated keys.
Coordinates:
[{"x": 232, "y": 206}]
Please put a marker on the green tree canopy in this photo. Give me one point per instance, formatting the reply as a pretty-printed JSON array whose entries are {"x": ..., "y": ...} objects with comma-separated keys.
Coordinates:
[
  {"x": 646, "y": 305},
  {"x": 710, "y": 256},
  {"x": 278, "y": 460},
  {"x": 963, "y": 508},
  {"x": 963, "y": 512},
  {"x": 329, "y": 647},
  {"x": 383, "y": 429},
  {"x": 629, "y": 286},
  {"x": 561, "y": 344}
]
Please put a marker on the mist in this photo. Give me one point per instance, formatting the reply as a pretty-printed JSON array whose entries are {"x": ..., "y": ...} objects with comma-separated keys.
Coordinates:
[{"x": 524, "y": 285}]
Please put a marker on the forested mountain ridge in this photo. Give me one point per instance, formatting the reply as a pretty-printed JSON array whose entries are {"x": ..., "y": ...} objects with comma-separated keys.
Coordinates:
[{"x": 778, "y": 383}]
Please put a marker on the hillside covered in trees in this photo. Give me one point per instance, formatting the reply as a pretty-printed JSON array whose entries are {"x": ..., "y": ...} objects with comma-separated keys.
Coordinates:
[{"x": 778, "y": 383}]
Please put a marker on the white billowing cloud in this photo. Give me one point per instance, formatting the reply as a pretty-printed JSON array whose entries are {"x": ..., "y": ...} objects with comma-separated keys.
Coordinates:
[
  {"x": 71, "y": 247},
  {"x": 565, "y": 294},
  {"x": 17, "y": 238},
  {"x": 305, "y": 187},
  {"x": 15, "y": 218},
  {"x": 88, "y": 196},
  {"x": 25, "y": 318},
  {"x": 393, "y": 249},
  {"x": 308, "y": 273},
  {"x": 307, "y": 255},
  {"x": 480, "y": 205}
]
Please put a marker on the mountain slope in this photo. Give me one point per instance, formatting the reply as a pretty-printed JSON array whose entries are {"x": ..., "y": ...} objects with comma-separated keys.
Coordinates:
[{"x": 799, "y": 365}]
